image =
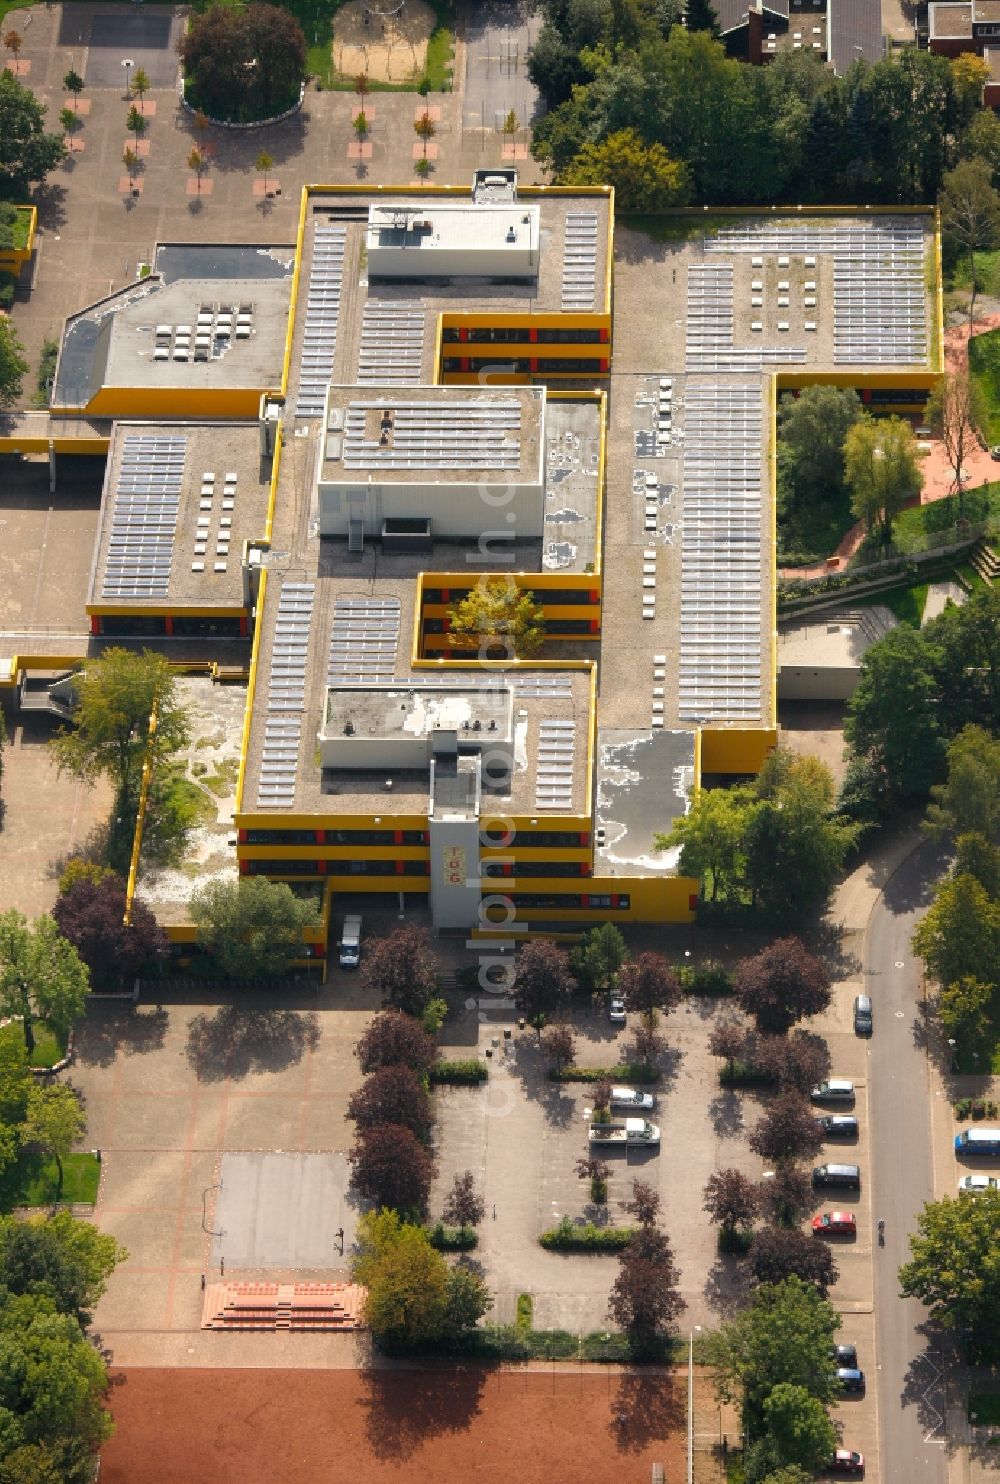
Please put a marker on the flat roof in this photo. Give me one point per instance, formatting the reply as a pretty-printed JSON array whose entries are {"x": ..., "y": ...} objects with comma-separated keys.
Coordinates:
[
  {"x": 415, "y": 710},
  {"x": 433, "y": 434},
  {"x": 831, "y": 640},
  {"x": 644, "y": 783},
  {"x": 948, "y": 21},
  {"x": 179, "y": 502},
  {"x": 432, "y": 225}
]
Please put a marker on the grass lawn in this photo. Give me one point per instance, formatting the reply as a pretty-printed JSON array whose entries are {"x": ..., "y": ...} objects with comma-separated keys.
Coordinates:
[
  {"x": 970, "y": 576},
  {"x": 22, "y": 225},
  {"x": 49, "y": 1048},
  {"x": 906, "y": 603},
  {"x": 957, "y": 274},
  {"x": 984, "y": 1406},
  {"x": 984, "y": 365},
  {"x": 911, "y": 527},
  {"x": 31, "y": 1181}
]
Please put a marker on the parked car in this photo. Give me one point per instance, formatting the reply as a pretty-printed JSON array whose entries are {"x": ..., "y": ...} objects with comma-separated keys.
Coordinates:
[
  {"x": 835, "y": 1224},
  {"x": 851, "y": 1379},
  {"x": 995, "y": 452},
  {"x": 616, "y": 1009},
  {"x": 834, "y": 1090},
  {"x": 838, "y": 1126},
  {"x": 844, "y": 1355},
  {"x": 843, "y": 1177},
  {"x": 863, "y": 1021},
  {"x": 630, "y": 1097},
  {"x": 975, "y": 1183},
  {"x": 846, "y": 1461}
]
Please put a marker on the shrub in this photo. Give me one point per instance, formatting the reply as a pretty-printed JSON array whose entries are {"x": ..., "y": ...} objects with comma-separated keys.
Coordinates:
[
  {"x": 706, "y": 979},
  {"x": 458, "y": 1073},
  {"x": 963, "y": 1108},
  {"x": 745, "y": 1074},
  {"x": 624, "y": 1072},
  {"x": 524, "y": 1319},
  {"x": 733, "y": 1240},
  {"x": 452, "y": 1238},
  {"x": 568, "y": 1236}
]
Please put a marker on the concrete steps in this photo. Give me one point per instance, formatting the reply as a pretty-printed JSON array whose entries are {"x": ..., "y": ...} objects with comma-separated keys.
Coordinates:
[{"x": 984, "y": 560}]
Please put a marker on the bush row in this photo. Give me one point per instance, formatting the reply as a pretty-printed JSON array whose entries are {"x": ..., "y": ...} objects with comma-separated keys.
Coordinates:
[
  {"x": 636, "y": 1071},
  {"x": 975, "y": 1108},
  {"x": 452, "y": 1238},
  {"x": 458, "y": 1073},
  {"x": 707, "y": 979},
  {"x": 568, "y": 1236}
]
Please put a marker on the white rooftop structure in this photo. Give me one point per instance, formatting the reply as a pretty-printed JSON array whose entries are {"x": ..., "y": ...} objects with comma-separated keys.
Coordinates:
[{"x": 453, "y": 240}]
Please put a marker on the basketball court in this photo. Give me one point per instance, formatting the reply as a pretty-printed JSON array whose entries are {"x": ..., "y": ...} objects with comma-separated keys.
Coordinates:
[
  {"x": 148, "y": 40},
  {"x": 284, "y": 1211}
]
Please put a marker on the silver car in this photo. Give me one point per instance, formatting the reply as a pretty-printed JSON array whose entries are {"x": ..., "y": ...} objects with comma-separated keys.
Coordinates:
[
  {"x": 834, "y": 1090},
  {"x": 616, "y": 1010},
  {"x": 976, "y": 1183},
  {"x": 629, "y": 1097}
]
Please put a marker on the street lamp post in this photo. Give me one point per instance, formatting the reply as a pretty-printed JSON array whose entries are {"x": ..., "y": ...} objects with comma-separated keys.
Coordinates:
[{"x": 128, "y": 64}]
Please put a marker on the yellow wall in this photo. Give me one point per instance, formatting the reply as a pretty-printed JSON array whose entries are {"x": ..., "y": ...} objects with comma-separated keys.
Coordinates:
[
  {"x": 736, "y": 749},
  {"x": 171, "y": 401},
  {"x": 13, "y": 259}
]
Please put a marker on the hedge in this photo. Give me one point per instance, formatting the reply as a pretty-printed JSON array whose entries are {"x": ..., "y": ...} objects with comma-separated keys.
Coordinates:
[
  {"x": 639, "y": 1071},
  {"x": 735, "y": 1241},
  {"x": 570, "y": 1237},
  {"x": 708, "y": 979},
  {"x": 458, "y": 1073},
  {"x": 744, "y": 1074},
  {"x": 452, "y": 1238}
]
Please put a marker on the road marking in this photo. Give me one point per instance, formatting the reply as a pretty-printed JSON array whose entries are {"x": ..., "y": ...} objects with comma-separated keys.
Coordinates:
[{"x": 925, "y": 1397}]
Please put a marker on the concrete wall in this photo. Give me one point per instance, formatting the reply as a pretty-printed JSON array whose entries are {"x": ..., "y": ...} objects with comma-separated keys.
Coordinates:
[{"x": 456, "y": 510}]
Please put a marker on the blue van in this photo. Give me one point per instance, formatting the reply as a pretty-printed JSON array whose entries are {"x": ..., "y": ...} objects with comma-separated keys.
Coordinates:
[{"x": 978, "y": 1141}]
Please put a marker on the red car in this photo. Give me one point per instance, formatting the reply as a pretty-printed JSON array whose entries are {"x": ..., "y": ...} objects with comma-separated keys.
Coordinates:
[
  {"x": 844, "y": 1461},
  {"x": 835, "y": 1224}
]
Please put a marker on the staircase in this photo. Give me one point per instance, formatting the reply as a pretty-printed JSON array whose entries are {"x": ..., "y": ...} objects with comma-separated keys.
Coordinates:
[{"x": 984, "y": 561}]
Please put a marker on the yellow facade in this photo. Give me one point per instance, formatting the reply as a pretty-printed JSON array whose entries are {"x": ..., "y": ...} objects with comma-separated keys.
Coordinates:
[{"x": 14, "y": 259}]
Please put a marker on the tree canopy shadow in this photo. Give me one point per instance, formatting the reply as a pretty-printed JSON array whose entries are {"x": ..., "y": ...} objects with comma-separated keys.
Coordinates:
[
  {"x": 727, "y": 1285},
  {"x": 726, "y": 1112},
  {"x": 405, "y": 1408},
  {"x": 106, "y": 1028},
  {"x": 239, "y": 1040},
  {"x": 647, "y": 1407}
]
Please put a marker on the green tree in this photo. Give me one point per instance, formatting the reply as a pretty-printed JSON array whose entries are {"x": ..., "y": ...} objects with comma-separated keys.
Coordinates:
[
  {"x": 41, "y": 975},
  {"x": 27, "y": 153},
  {"x": 130, "y": 160},
  {"x": 598, "y": 956},
  {"x": 198, "y": 162},
  {"x": 115, "y": 699},
  {"x": 883, "y": 471},
  {"x": 140, "y": 83},
  {"x": 969, "y": 799},
  {"x": 54, "y": 1383},
  {"x": 701, "y": 16},
  {"x": 955, "y": 413},
  {"x": 497, "y": 619},
  {"x": 799, "y": 1426},
  {"x": 244, "y": 64},
  {"x": 964, "y": 1010},
  {"x": 981, "y": 140},
  {"x": 960, "y": 935},
  {"x": 976, "y": 857},
  {"x": 795, "y": 843},
  {"x": 893, "y": 715},
  {"x": 413, "y": 1299},
  {"x": 644, "y": 176},
  {"x": 15, "y": 1081},
  {"x": 784, "y": 1336},
  {"x": 67, "y": 1260},
  {"x": 970, "y": 213},
  {"x": 954, "y": 1269},
  {"x": 13, "y": 365},
  {"x": 136, "y": 124},
  {"x": 963, "y": 659},
  {"x": 812, "y": 429},
  {"x": 73, "y": 83},
  {"x": 56, "y": 1122},
  {"x": 711, "y": 837},
  {"x": 262, "y": 164},
  {"x": 252, "y": 928}
]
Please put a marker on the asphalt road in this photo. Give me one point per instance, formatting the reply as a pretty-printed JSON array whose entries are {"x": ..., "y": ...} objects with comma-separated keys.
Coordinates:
[{"x": 910, "y": 1392}]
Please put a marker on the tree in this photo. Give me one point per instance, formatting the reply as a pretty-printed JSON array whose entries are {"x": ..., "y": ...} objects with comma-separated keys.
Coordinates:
[
  {"x": 559, "y": 1046},
  {"x": 140, "y": 83},
  {"x": 645, "y": 1203},
  {"x": 412, "y": 1297},
  {"x": 390, "y": 1167},
  {"x": 795, "y": 844},
  {"x": 954, "y": 1269},
  {"x": 543, "y": 983},
  {"x": 497, "y": 619},
  {"x": 964, "y": 1010},
  {"x": 647, "y": 1045},
  {"x": 969, "y": 799},
  {"x": 67, "y": 1260},
  {"x": 13, "y": 366},
  {"x": 955, "y": 413},
  {"x": 55, "y": 1382},
  {"x": 68, "y": 120},
  {"x": 883, "y": 471},
  {"x": 402, "y": 969},
  {"x": 361, "y": 86},
  {"x": 962, "y": 654},
  {"x": 711, "y": 837},
  {"x": 14, "y": 1083},
  {"x": 250, "y": 927},
  {"x": 645, "y": 177},
  {"x": 800, "y": 1427},
  {"x": 511, "y": 125},
  {"x": 393, "y": 1038},
  {"x": 56, "y": 1122},
  {"x": 596, "y": 959},
  {"x": 41, "y": 976},
  {"x": 731, "y": 1040},
  {"x": 425, "y": 129},
  {"x": 971, "y": 73},
  {"x": 731, "y": 1199},
  {"x": 796, "y": 1062},
  {"x": 262, "y": 164},
  {"x": 970, "y": 212},
  {"x": 811, "y": 484},
  {"x": 647, "y": 984},
  {"x": 597, "y": 1171},
  {"x": 959, "y": 937},
  {"x": 130, "y": 160},
  {"x": 197, "y": 162},
  {"x": 136, "y": 124},
  {"x": 600, "y": 1091},
  {"x": 464, "y": 1206},
  {"x": 976, "y": 857},
  {"x": 981, "y": 140},
  {"x": 701, "y": 16},
  {"x": 783, "y": 1337},
  {"x": 114, "y": 701},
  {"x": 244, "y": 65},
  {"x": 776, "y": 1253},
  {"x": 392, "y": 1094},
  {"x": 787, "y": 1130},
  {"x": 645, "y": 1299},
  {"x": 781, "y": 984},
  {"x": 893, "y": 715},
  {"x": 786, "y": 1196},
  {"x": 360, "y": 124},
  {"x": 91, "y": 916}
]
